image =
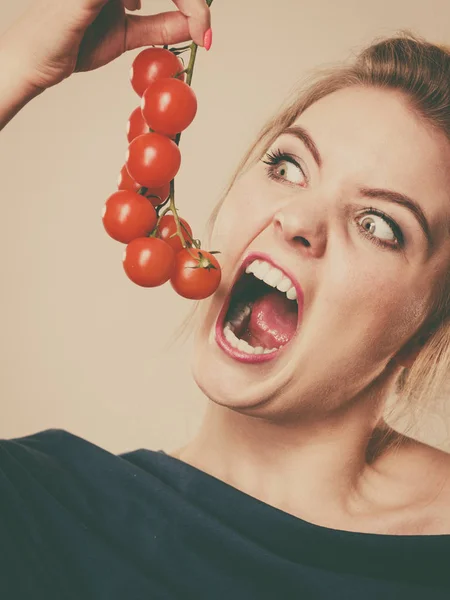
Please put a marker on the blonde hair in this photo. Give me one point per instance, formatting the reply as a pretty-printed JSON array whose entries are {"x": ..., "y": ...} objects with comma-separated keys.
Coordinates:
[{"x": 421, "y": 71}]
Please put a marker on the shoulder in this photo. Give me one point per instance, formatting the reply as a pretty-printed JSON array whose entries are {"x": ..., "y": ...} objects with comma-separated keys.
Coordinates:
[
  {"x": 433, "y": 464},
  {"x": 418, "y": 457},
  {"x": 65, "y": 467},
  {"x": 39, "y": 436},
  {"x": 51, "y": 452},
  {"x": 425, "y": 471},
  {"x": 48, "y": 441},
  {"x": 39, "y": 442}
]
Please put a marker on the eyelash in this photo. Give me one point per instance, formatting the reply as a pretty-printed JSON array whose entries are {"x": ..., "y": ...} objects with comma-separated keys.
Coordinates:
[{"x": 275, "y": 157}]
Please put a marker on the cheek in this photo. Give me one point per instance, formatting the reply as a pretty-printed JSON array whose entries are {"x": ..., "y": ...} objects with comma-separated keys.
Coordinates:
[
  {"x": 375, "y": 300},
  {"x": 246, "y": 211}
]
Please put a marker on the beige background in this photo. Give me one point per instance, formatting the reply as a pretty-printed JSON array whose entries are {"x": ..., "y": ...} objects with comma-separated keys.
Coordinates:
[{"x": 82, "y": 347}]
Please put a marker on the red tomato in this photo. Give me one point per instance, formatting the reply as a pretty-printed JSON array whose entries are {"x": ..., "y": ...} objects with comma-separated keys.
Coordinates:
[
  {"x": 195, "y": 278},
  {"x": 127, "y": 216},
  {"x": 159, "y": 195},
  {"x": 153, "y": 159},
  {"x": 136, "y": 124},
  {"x": 152, "y": 64},
  {"x": 126, "y": 182},
  {"x": 167, "y": 227},
  {"x": 169, "y": 106},
  {"x": 148, "y": 261}
]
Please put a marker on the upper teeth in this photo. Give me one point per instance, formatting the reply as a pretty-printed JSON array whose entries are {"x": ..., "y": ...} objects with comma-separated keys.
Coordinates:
[{"x": 273, "y": 277}]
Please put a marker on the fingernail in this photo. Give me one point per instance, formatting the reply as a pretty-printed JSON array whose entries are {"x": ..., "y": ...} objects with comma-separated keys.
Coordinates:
[{"x": 207, "y": 40}]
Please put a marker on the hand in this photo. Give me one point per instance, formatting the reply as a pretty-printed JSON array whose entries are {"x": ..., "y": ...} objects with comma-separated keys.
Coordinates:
[{"x": 54, "y": 38}]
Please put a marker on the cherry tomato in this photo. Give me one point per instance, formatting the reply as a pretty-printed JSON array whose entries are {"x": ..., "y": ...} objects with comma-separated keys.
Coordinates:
[
  {"x": 127, "y": 216},
  {"x": 136, "y": 124},
  {"x": 148, "y": 261},
  {"x": 152, "y": 64},
  {"x": 159, "y": 195},
  {"x": 195, "y": 278},
  {"x": 167, "y": 227},
  {"x": 153, "y": 159},
  {"x": 169, "y": 106},
  {"x": 126, "y": 182}
]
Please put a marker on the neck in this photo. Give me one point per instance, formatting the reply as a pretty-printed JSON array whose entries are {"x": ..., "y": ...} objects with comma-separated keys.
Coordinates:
[{"x": 319, "y": 469}]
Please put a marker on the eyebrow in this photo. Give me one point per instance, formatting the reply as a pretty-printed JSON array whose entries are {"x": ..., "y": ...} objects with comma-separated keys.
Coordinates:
[
  {"x": 395, "y": 197},
  {"x": 303, "y": 136},
  {"x": 401, "y": 200}
]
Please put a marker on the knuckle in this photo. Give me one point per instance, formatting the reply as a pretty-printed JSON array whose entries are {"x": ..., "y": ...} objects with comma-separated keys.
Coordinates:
[
  {"x": 203, "y": 10},
  {"x": 165, "y": 32}
]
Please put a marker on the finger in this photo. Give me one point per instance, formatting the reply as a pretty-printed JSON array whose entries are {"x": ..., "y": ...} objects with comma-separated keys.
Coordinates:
[
  {"x": 164, "y": 28},
  {"x": 198, "y": 16}
]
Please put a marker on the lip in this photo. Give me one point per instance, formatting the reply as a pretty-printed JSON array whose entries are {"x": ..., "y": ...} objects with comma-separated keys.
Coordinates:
[{"x": 221, "y": 339}]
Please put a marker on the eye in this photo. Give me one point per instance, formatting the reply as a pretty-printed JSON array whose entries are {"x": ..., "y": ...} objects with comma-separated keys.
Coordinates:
[
  {"x": 282, "y": 166},
  {"x": 384, "y": 227}
]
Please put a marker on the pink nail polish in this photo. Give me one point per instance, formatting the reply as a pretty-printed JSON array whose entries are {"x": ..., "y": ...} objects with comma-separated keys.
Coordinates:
[{"x": 207, "y": 40}]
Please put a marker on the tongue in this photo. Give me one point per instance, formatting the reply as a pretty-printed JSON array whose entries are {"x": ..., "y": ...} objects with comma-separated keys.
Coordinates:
[{"x": 273, "y": 321}]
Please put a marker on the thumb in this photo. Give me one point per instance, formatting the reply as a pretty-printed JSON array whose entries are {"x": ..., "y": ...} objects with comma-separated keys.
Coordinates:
[{"x": 164, "y": 28}]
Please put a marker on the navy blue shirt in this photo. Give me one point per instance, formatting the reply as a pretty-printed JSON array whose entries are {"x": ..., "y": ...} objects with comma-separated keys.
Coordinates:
[{"x": 78, "y": 522}]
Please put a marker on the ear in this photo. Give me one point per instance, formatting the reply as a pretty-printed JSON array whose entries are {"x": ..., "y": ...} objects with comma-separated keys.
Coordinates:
[{"x": 406, "y": 356}]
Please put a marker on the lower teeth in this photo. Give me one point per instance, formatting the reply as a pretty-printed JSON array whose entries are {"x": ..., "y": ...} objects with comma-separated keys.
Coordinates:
[{"x": 242, "y": 345}]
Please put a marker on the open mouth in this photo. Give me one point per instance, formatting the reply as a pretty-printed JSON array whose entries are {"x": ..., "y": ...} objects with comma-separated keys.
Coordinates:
[{"x": 262, "y": 315}]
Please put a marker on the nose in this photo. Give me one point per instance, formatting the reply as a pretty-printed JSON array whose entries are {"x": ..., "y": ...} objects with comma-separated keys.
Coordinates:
[{"x": 303, "y": 228}]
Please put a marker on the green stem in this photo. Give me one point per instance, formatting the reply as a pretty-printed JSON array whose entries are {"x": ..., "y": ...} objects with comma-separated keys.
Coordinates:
[
  {"x": 172, "y": 208},
  {"x": 166, "y": 209},
  {"x": 180, "y": 49},
  {"x": 190, "y": 68}
]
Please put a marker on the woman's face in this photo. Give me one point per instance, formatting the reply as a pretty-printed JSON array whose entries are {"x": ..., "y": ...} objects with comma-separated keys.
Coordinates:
[{"x": 363, "y": 262}]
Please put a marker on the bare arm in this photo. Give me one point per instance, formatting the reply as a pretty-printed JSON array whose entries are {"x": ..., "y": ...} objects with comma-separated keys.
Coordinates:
[
  {"x": 54, "y": 39},
  {"x": 15, "y": 89}
]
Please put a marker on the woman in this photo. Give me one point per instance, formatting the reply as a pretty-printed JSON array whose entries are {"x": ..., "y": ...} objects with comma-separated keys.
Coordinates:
[{"x": 295, "y": 486}]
